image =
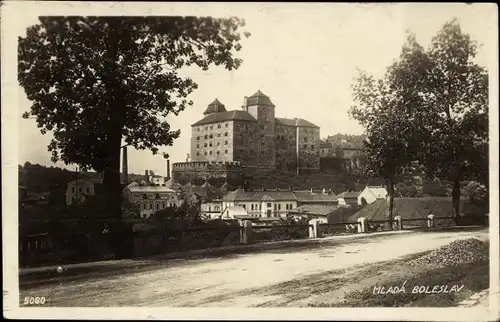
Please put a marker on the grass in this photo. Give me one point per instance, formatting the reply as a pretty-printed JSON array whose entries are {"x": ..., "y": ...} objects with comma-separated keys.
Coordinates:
[{"x": 474, "y": 278}]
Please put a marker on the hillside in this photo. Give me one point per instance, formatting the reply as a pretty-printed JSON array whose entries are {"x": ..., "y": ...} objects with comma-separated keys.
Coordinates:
[{"x": 415, "y": 208}]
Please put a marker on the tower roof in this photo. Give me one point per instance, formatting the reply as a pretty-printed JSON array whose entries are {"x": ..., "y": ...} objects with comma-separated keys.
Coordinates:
[
  {"x": 259, "y": 99},
  {"x": 215, "y": 107}
]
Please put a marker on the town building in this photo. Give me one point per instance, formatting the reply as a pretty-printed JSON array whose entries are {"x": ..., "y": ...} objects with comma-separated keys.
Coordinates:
[
  {"x": 250, "y": 140},
  {"x": 77, "y": 190},
  {"x": 349, "y": 198},
  {"x": 260, "y": 204},
  {"x": 151, "y": 198},
  {"x": 371, "y": 194},
  {"x": 311, "y": 197}
]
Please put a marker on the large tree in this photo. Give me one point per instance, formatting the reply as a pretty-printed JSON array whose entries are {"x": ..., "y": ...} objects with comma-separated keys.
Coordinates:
[
  {"x": 98, "y": 83},
  {"x": 456, "y": 111},
  {"x": 387, "y": 108}
]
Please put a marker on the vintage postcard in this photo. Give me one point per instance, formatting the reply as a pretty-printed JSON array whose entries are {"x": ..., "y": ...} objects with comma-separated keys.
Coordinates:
[{"x": 297, "y": 161}]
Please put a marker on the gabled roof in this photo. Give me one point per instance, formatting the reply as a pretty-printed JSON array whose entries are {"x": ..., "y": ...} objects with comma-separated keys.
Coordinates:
[
  {"x": 351, "y": 194},
  {"x": 242, "y": 195},
  {"x": 378, "y": 191},
  {"x": 307, "y": 196},
  {"x": 294, "y": 122},
  {"x": 226, "y": 116},
  {"x": 259, "y": 99},
  {"x": 215, "y": 107},
  {"x": 314, "y": 210}
]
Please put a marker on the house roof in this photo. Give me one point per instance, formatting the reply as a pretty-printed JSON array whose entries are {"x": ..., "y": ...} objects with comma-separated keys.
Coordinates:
[
  {"x": 226, "y": 116},
  {"x": 307, "y": 196},
  {"x": 259, "y": 99},
  {"x": 215, "y": 107},
  {"x": 379, "y": 191},
  {"x": 295, "y": 122},
  {"x": 134, "y": 187},
  {"x": 350, "y": 194},
  {"x": 314, "y": 210},
  {"x": 242, "y": 195}
]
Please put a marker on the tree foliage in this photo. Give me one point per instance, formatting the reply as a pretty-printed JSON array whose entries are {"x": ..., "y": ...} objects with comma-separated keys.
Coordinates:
[{"x": 97, "y": 81}]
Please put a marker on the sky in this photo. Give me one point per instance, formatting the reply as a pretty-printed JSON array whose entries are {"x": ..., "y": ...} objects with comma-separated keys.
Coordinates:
[{"x": 303, "y": 56}]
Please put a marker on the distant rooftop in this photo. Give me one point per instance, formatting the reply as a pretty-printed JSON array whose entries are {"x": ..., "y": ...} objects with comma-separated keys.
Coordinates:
[
  {"x": 259, "y": 99},
  {"x": 215, "y": 107}
]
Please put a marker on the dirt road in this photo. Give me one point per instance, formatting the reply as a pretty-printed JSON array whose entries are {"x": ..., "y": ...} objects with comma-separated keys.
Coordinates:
[{"x": 289, "y": 277}]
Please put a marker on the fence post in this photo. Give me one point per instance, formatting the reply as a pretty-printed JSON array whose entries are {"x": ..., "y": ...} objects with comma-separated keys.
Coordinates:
[
  {"x": 247, "y": 232},
  {"x": 361, "y": 225},
  {"x": 430, "y": 221},
  {"x": 399, "y": 223},
  {"x": 314, "y": 230}
]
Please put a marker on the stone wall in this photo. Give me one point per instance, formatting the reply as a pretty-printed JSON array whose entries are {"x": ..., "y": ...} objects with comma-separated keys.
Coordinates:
[
  {"x": 309, "y": 147},
  {"x": 213, "y": 142},
  {"x": 246, "y": 143},
  {"x": 286, "y": 147}
]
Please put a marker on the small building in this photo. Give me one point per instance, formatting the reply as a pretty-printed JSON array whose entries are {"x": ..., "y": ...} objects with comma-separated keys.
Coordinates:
[
  {"x": 78, "y": 189},
  {"x": 349, "y": 198},
  {"x": 370, "y": 194},
  {"x": 263, "y": 203},
  {"x": 324, "y": 213},
  {"x": 236, "y": 212},
  {"x": 151, "y": 198}
]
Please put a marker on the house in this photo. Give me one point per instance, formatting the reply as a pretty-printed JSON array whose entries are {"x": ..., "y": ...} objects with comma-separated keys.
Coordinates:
[
  {"x": 349, "y": 198},
  {"x": 151, "y": 198},
  {"x": 325, "y": 213},
  {"x": 311, "y": 197},
  {"x": 370, "y": 194},
  {"x": 263, "y": 203},
  {"x": 78, "y": 189},
  {"x": 236, "y": 212}
]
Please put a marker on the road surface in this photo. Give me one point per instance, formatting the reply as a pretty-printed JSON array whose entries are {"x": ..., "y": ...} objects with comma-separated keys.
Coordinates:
[{"x": 272, "y": 278}]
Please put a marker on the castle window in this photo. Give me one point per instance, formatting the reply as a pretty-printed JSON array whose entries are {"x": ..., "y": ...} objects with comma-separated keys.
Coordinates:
[
  {"x": 206, "y": 136},
  {"x": 144, "y": 196},
  {"x": 197, "y": 153},
  {"x": 252, "y": 207},
  {"x": 218, "y": 126},
  {"x": 197, "y": 138},
  {"x": 279, "y": 206},
  {"x": 312, "y": 146},
  {"x": 211, "y": 127},
  {"x": 205, "y": 152},
  {"x": 218, "y": 152},
  {"x": 205, "y": 145},
  {"x": 197, "y": 145},
  {"x": 210, "y": 153},
  {"x": 151, "y": 206},
  {"x": 211, "y": 136},
  {"x": 227, "y": 124},
  {"x": 225, "y": 134},
  {"x": 210, "y": 144},
  {"x": 206, "y": 128},
  {"x": 218, "y": 135},
  {"x": 225, "y": 151},
  {"x": 225, "y": 142},
  {"x": 218, "y": 143}
]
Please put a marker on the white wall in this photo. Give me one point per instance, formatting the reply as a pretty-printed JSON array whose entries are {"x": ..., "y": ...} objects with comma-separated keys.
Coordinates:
[{"x": 259, "y": 209}]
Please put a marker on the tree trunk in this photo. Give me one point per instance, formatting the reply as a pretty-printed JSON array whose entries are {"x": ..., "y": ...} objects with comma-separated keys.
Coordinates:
[
  {"x": 390, "y": 202},
  {"x": 455, "y": 195}
]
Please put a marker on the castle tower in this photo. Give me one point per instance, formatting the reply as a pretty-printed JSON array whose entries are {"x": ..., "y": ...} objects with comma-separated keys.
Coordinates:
[
  {"x": 262, "y": 109},
  {"x": 215, "y": 107}
]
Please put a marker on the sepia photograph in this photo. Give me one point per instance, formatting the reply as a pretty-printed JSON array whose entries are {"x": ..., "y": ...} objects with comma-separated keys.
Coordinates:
[{"x": 250, "y": 160}]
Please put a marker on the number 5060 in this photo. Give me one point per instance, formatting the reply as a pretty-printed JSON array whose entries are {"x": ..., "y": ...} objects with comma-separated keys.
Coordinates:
[{"x": 30, "y": 300}]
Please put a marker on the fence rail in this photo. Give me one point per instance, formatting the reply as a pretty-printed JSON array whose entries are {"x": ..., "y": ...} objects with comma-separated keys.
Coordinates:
[
  {"x": 340, "y": 224},
  {"x": 282, "y": 226}
]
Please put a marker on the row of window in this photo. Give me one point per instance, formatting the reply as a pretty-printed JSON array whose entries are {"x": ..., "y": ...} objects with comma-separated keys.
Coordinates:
[
  {"x": 156, "y": 196},
  {"x": 211, "y": 127},
  {"x": 211, "y": 136},
  {"x": 81, "y": 189},
  {"x": 210, "y": 152},
  {"x": 155, "y": 205},
  {"x": 210, "y": 144},
  {"x": 277, "y": 206}
]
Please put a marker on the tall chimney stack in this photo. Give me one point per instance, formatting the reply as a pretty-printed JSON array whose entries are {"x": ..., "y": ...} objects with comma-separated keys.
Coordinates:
[
  {"x": 168, "y": 169},
  {"x": 125, "y": 166},
  {"x": 146, "y": 176}
]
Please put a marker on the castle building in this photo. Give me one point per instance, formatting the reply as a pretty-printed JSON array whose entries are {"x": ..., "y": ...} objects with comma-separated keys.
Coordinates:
[{"x": 253, "y": 138}]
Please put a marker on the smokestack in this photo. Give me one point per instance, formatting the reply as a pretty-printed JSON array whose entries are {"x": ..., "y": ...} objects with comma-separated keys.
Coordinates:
[
  {"x": 168, "y": 169},
  {"x": 146, "y": 175},
  {"x": 125, "y": 166}
]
